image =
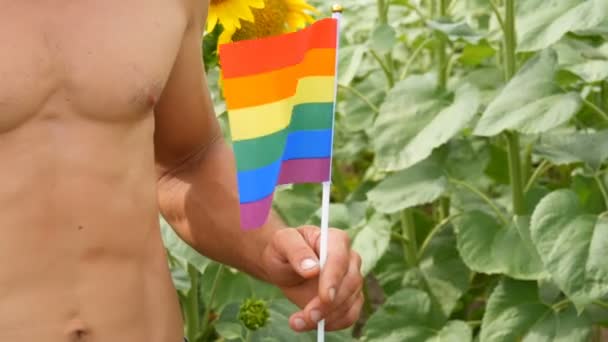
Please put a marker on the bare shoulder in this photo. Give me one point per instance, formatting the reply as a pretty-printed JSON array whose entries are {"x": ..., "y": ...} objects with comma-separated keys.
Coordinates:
[{"x": 197, "y": 13}]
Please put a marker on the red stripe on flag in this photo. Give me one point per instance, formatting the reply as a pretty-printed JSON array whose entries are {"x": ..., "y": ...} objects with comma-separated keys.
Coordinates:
[{"x": 249, "y": 57}]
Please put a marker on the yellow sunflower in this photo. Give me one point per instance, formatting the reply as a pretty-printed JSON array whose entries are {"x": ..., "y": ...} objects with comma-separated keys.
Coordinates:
[
  {"x": 229, "y": 13},
  {"x": 274, "y": 18}
]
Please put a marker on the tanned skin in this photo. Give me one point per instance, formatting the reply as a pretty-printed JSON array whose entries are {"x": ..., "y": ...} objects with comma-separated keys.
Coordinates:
[{"x": 105, "y": 122}]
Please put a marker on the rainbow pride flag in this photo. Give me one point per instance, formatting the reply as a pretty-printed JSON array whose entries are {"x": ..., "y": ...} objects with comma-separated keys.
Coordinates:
[{"x": 280, "y": 94}]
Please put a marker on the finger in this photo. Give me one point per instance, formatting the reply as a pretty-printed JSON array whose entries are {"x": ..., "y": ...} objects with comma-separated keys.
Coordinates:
[
  {"x": 338, "y": 258},
  {"x": 288, "y": 245},
  {"x": 345, "y": 319},
  {"x": 307, "y": 318},
  {"x": 352, "y": 282},
  {"x": 316, "y": 310}
]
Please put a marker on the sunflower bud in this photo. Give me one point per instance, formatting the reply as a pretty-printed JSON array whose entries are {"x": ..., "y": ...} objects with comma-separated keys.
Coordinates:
[{"x": 254, "y": 313}]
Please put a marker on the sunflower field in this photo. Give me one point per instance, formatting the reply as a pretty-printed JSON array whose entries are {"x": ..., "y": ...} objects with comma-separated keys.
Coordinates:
[{"x": 470, "y": 171}]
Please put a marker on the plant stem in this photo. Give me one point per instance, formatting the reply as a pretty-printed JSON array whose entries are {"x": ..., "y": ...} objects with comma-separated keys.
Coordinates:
[
  {"x": 434, "y": 231},
  {"x": 517, "y": 187},
  {"x": 510, "y": 38},
  {"x": 442, "y": 59},
  {"x": 387, "y": 72},
  {"x": 399, "y": 237},
  {"x": 473, "y": 324},
  {"x": 413, "y": 57},
  {"x": 603, "y": 304},
  {"x": 444, "y": 208},
  {"x": 361, "y": 96},
  {"x": 602, "y": 186},
  {"x": 501, "y": 22},
  {"x": 408, "y": 229},
  {"x": 561, "y": 304},
  {"x": 597, "y": 110},
  {"x": 540, "y": 169},
  {"x": 605, "y": 95},
  {"x": 207, "y": 316},
  {"x": 388, "y": 66},
  {"x": 417, "y": 10},
  {"x": 382, "y": 11},
  {"x": 191, "y": 311},
  {"x": 515, "y": 171},
  {"x": 483, "y": 197}
]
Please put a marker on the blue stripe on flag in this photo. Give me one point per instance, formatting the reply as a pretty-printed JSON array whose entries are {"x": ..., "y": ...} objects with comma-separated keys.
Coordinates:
[{"x": 258, "y": 183}]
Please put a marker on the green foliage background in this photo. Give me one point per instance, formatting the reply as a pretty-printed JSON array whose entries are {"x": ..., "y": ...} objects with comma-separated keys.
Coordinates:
[{"x": 469, "y": 170}]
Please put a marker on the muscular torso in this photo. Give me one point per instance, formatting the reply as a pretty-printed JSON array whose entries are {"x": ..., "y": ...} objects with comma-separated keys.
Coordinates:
[{"x": 81, "y": 258}]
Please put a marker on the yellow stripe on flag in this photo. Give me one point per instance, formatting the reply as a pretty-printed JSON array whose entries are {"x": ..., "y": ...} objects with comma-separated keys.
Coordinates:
[{"x": 257, "y": 121}]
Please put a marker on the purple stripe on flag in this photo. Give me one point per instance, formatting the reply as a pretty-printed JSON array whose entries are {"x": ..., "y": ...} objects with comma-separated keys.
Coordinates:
[
  {"x": 311, "y": 170},
  {"x": 255, "y": 214}
]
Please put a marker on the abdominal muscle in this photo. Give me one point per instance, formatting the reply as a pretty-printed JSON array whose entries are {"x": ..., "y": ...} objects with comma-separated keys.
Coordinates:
[{"x": 81, "y": 258}]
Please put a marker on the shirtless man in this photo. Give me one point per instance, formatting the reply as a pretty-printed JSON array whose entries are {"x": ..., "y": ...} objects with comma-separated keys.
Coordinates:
[{"x": 105, "y": 120}]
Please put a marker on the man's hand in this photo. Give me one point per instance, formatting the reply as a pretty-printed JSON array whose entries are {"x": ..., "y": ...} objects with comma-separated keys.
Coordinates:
[{"x": 291, "y": 262}]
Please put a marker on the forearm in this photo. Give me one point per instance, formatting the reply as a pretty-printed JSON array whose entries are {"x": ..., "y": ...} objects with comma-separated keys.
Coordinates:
[{"x": 199, "y": 198}]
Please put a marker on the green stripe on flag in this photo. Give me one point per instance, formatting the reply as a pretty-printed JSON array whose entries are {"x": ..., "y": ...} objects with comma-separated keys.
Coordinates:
[
  {"x": 312, "y": 116},
  {"x": 258, "y": 152}
]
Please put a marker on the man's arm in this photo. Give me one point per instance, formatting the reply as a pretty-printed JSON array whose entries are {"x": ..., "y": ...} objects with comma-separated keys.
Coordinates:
[
  {"x": 198, "y": 196},
  {"x": 197, "y": 192}
]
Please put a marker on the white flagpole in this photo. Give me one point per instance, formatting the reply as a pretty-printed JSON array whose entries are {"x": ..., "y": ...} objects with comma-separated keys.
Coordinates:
[{"x": 336, "y": 14}]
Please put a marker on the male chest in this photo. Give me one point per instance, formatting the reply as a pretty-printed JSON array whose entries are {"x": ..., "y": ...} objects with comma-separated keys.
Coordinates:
[{"x": 106, "y": 60}]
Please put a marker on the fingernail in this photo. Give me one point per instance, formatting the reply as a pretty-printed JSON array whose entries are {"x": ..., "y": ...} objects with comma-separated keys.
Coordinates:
[
  {"x": 299, "y": 323},
  {"x": 332, "y": 294},
  {"x": 307, "y": 264},
  {"x": 315, "y": 315}
]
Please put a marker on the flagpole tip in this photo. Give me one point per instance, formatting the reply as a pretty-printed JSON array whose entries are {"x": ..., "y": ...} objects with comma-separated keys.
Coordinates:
[{"x": 337, "y": 8}]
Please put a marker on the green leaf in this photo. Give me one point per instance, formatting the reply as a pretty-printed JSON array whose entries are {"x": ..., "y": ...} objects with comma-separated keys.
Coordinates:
[
  {"x": 588, "y": 193},
  {"x": 475, "y": 54},
  {"x": 298, "y": 203},
  {"x": 422, "y": 183},
  {"x": 180, "y": 250},
  {"x": 350, "y": 58},
  {"x": 389, "y": 270},
  {"x": 372, "y": 241},
  {"x": 590, "y": 71},
  {"x": 489, "y": 80},
  {"x": 541, "y": 23},
  {"x": 278, "y": 328},
  {"x": 354, "y": 113},
  {"x": 590, "y": 148},
  {"x": 233, "y": 286},
  {"x": 497, "y": 168},
  {"x": 445, "y": 275},
  {"x": 572, "y": 246},
  {"x": 454, "y": 331},
  {"x": 383, "y": 39},
  {"x": 407, "y": 135},
  {"x": 466, "y": 159},
  {"x": 514, "y": 312},
  {"x": 487, "y": 246},
  {"x": 408, "y": 316},
  {"x": 180, "y": 277},
  {"x": 406, "y": 110},
  {"x": 563, "y": 326},
  {"x": 455, "y": 31},
  {"x": 582, "y": 59},
  {"x": 229, "y": 330},
  {"x": 531, "y": 102}
]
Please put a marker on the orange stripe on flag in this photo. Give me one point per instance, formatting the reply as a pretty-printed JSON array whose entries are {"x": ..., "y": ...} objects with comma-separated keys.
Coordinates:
[
  {"x": 250, "y": 57},
  {"x": 277, "y": 85}
]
